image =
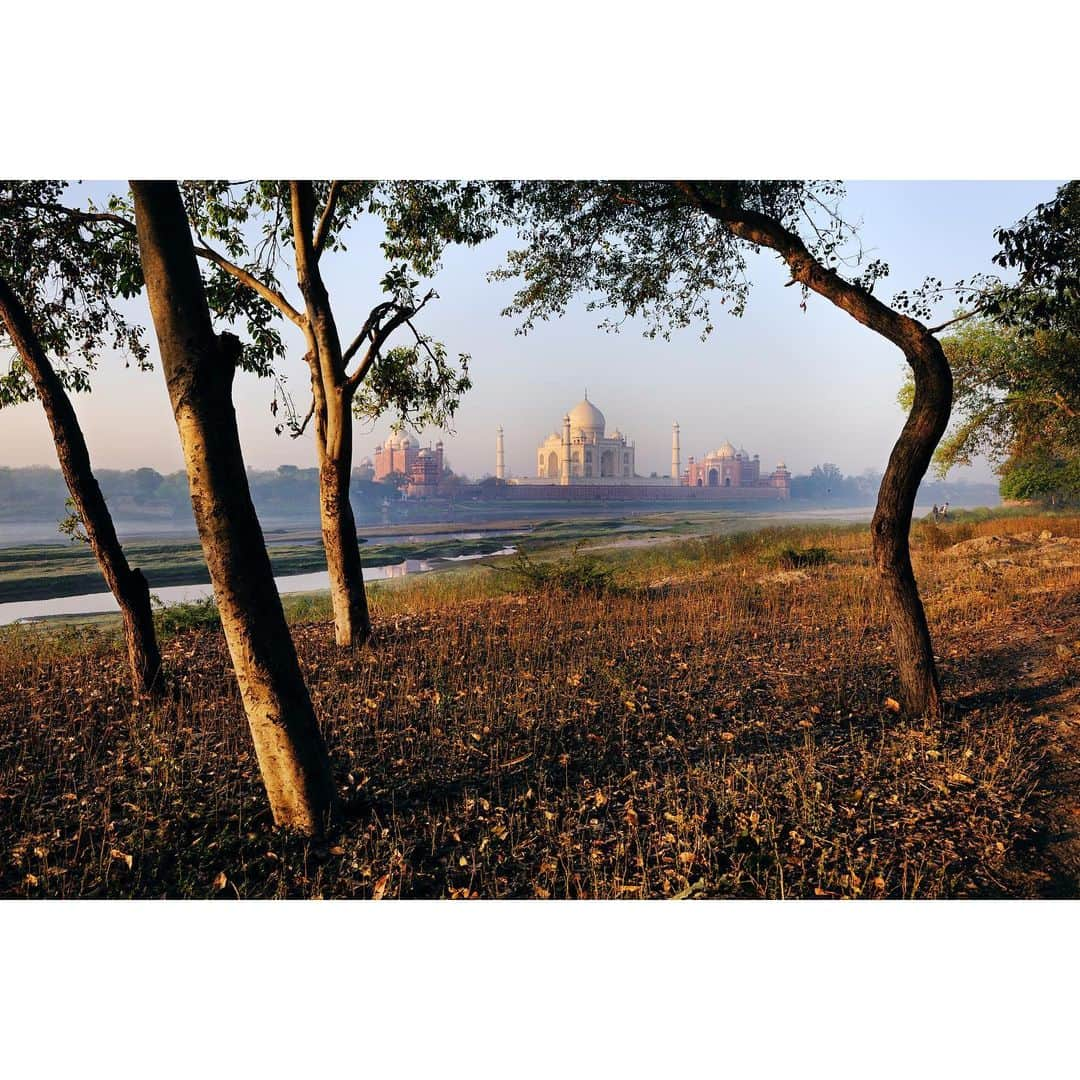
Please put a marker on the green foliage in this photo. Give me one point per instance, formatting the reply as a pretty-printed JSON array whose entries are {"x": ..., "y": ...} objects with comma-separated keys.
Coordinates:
[
  {"x": 644, "y": 249},
  {"x": 580, "y": 573},
  {"x": 1043, "y": 478},
  {"x": 172, "y": 619},
  {"x": 252, "y": 225},
  {"x": 1016, "y": 395},
  {"x": 68, "y": 265},
  {"x": 72, "y": 526},
  {"x": 1045, "y": 248}
]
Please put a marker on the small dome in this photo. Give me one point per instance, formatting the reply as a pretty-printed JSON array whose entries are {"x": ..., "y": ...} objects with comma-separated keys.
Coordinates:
[
  {"x": 425, "y": 454},
  {"x": 616, "y": 434},
  {"x": 780, "y": 465},
  {"x": 406, "y": 442},
  {"x": 585, "y": 416},
  {"x": 725, "y": 450}
]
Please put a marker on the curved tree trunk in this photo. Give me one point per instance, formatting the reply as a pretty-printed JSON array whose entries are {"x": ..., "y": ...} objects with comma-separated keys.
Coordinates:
[
  {"x": 127, "y": 585},
  {"x": 199, "y": 368},
  {"x": 920, "y": 691}
]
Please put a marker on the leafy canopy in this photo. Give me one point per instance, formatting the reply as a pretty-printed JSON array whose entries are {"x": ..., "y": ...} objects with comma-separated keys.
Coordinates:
[
  {"x": 69, "y": 269},
  {"x": 644, "y": 249},
  {"x": 250, "y": 223}
]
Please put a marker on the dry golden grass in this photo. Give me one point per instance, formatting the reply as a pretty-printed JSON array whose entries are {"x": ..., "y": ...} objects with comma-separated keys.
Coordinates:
[{"x": 700, "y": 730}]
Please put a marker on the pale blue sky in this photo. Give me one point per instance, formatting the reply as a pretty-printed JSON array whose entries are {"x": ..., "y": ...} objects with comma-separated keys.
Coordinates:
[{"x": 805, "y": 387}]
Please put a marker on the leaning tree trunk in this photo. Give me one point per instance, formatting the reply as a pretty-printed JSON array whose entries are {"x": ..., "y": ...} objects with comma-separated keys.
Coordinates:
[
  {"x": 127, "y": 585},
  {"x": 333, "y": 433},
  {"x": 920, "y": 691},
  {"x": 199, "y": 368}
]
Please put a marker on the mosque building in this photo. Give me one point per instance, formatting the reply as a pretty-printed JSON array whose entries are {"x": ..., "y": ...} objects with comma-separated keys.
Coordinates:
[
  {"x": 422, "y": 468},
  {"x": 584, "y": 449},
  {"x": 584, "y": 456},
  {"x": 400, "y": 454}
]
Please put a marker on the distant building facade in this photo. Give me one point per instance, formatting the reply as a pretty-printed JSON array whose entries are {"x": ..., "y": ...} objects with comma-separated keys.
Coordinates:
[
  {"x": 585, "y": 456},
  {"x": 422, "y": 468},
  {"x": 584, "y": 451},
  {"x": 726, "y": 467},
  {"x": 396, "y": 455}
]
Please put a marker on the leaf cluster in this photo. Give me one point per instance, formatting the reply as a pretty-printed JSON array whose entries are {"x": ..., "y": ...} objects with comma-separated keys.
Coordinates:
[
  {"x": 643, "y": 249},
  {"x": 1016, "y": 392},
  {"x": 69, "y": 269}
]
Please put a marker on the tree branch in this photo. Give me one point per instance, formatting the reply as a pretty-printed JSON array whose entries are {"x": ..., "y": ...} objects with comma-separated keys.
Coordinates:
[
  {"x": 271, "y": 296},
  {"x": 299, "y": 429},
  {"x": 953, "y": 322},
  {"x": 379, "y": 335},
  {"x": 326, "y": 219}
]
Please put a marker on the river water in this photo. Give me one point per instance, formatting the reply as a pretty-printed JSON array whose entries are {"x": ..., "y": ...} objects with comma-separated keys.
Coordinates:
[{"x": 103, "y": 602}]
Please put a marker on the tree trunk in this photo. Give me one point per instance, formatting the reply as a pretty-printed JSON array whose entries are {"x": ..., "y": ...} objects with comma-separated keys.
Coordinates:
[
  {"x": 199, "y": 367},
  {"x": 920, "y": 691},
  {"x": 352, "y": 621},
  {"x": 127, "y": 585},
  {"x": 333, "y": 415}
]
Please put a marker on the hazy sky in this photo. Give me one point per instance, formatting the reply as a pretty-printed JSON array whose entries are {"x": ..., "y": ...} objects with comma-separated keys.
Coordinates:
[{"x": 804, "y": 387}]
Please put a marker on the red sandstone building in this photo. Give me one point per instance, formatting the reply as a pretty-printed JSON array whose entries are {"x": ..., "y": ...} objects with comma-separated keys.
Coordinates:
[
  {"x": 727, "y": 467},
  {"x": 401, "y": 454}
]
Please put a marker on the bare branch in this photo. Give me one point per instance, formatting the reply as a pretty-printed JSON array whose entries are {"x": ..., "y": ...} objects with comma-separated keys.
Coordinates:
[
  {"x": 327, "y": 217},
  {"x": 271, "y": 296},
  {"x": 73, "y": 212},
  {"x": 952, "y": 322},
  {"x": 379, "y": 334},
  {"x": 377, "y": 313},
  {"x": 299, "y": 429}
]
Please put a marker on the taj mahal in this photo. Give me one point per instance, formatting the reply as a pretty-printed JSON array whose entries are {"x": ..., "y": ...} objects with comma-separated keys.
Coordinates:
[{"x": 589, "y": 461}]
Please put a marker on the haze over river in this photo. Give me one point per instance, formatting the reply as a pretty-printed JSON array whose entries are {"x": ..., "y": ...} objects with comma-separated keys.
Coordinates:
[{"x": 103, "y": 601}]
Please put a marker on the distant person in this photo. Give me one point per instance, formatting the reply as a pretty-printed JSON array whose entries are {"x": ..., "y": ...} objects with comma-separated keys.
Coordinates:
[
  {"x": 945, "y": 510},
  {"x": 935, "y": 512}
]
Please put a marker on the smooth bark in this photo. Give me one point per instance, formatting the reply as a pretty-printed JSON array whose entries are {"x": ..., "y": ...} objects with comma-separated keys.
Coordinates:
[
  {"x": 199, "y": 366},
  {"x": 333, "y": 393},
  {"x": 920, "y": 688},
  {"x": 128, "y": 585}
]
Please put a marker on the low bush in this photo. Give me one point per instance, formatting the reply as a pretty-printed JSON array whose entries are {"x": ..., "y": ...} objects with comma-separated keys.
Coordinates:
[
  {"x": 171, "y": 619},
  {"x": 580, "y": 573},
  {"x": 793, "y": 558}
]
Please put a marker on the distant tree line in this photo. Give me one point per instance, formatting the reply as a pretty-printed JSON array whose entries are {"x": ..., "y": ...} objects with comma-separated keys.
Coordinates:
[
  {"x": 37, "y": 493},
  {"x": 825, "y": 483}
]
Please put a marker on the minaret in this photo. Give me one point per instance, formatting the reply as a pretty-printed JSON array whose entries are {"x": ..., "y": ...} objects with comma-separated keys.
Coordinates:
[
  {"x": 676, "y": 457},
  {"x": 564, "y": 474},
  {"x": 500, "y": 460}
]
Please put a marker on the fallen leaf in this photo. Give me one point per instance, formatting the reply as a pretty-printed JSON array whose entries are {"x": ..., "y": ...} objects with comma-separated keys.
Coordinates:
[
  {"x": 380, "y": 887},
  {"x": 892, "y": 704}
]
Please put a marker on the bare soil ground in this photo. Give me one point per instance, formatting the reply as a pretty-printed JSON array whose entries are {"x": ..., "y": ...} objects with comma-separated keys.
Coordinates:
[{"x": 705, "y": 729}]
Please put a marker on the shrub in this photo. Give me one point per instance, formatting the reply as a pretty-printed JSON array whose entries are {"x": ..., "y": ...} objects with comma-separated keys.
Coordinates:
[
  {"x": 793, "y": 558},
  {"x": 578, "y": 574},
  {"x": 173, "y": 619}
]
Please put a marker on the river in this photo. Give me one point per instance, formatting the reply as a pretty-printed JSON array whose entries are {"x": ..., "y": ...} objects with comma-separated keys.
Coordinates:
[{"x": 104, "y": 602}]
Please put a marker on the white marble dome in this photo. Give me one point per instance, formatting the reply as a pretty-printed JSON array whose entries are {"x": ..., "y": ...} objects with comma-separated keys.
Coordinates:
[
  {"x": 586, "y": 417},
  {"x": 725, "y": 450}
]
